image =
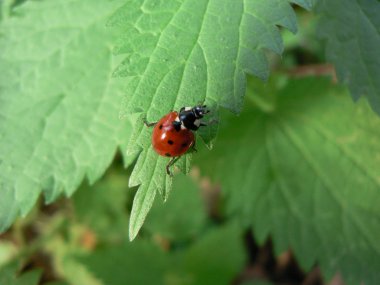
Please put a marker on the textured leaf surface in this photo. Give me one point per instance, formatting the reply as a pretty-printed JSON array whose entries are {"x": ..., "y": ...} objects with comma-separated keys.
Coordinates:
[
  {"x": 306, "y": 173},
  {"x": 352, "y": 33},
  {"x": 181, "y": 53},
  {"x": 58, "y": 104}
]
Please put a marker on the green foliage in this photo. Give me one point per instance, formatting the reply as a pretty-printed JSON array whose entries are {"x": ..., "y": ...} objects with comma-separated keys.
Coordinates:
[
  {"x": 3, "y": 9},
  {"x": 174, "y": 221},
  {"x": 103, "y": 207},
  {"x": 8, "y": 276},
  {"x": 257, "y": 283},
  {"x": 118, "y": 260},
  {"x": 59, "y": 105},
  {"x": 300, "y": 165},
  {"x": 223, "y": 253},
  {"x": 7, "y": 251},
  {"x": 83, "y": 253},
  {"x": 307, "y": 173},
  {"x": 137, "y": 263},
  {"x": 180, "y": 53},
  {"x": 351, "y": 30},
  {"x": 141, "y": 262}
]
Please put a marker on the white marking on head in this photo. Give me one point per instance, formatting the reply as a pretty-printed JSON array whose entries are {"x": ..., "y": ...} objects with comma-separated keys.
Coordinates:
[
  {"x": 197, "y": 122},
  {"x": 188, "y": 108},
  {"x": 177, "y": 119}
]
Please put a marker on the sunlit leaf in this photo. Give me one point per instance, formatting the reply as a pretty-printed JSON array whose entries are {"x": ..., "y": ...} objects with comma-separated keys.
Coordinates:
[
  {"x": 58, "y": 103},
  {"x": 182, "y": 53}
]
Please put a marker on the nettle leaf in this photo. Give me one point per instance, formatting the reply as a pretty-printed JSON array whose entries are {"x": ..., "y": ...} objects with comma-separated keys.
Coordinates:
[
  {"x": 351, "y": 30},
  {"x": 58, "y": 102},
  {"x": 307, "y": 173},
  {"x": 3, "y": 9},
  {"x": 182, "y": 53}
]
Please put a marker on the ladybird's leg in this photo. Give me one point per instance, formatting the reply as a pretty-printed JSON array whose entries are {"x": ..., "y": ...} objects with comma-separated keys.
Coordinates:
[
  {"x": 193, "y": 147},
  {"x": 149, "y": 124},
  {"x": 170, "y": 163}
]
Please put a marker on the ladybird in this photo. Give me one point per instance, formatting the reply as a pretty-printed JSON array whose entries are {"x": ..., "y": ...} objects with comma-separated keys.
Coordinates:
[{"x": 173, "y": 135}]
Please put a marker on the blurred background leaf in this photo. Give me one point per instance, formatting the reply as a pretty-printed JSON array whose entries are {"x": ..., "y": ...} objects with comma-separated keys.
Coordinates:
[
  {"x": 9, "y": 276},
  {"x": 306, "y": 173},
  {"x": 138, "y": 263},
  {"x": 183, "y": 216},
  {"x": 216, "y": 258},
  {"x": 103, "y": 207}
]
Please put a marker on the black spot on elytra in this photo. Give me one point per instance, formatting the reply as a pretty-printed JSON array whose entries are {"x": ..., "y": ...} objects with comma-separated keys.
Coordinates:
[
  {"x": 167, "y": 154},
  {"x": 160, "y": 127},
  {"x": 170, "y": 142},
  {"x": 185, "y": 144}
]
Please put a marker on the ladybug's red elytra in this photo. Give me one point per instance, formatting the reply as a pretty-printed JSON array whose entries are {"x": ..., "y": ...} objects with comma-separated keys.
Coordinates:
[{"x": 173, "y": 134}]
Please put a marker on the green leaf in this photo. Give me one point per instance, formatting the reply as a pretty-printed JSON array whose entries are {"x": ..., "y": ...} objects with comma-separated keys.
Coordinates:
[
  {"x": 137, "y": 263},
  {"x": 3, "y": 9},
  {"x": 204, "y": 261},
  {"x": 28, "y": 278},
  {"x": 306, "y": 173},
  {"x": 257, "y": 283},
  {"x": 59, "y": 106},
  {"x": 307, "y": 4},
  {"x": 7, "y": 251},
  {"x": 7, "y": 6},
  {"x": 172, "y": 220},
  {"x": 351, "y": 30},
  {"x": 181, "y": 53},
  {"x": 102, "y": 206},
  {"x": 8, "y": 276},
  {"x": 216, "y": 258},
  {"x": 63, "y": 247}
]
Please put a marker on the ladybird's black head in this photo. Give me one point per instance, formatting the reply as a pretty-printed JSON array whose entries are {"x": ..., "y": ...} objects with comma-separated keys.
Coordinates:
[
  {"x": 200, "y": 111},
  {"x": 190, "y": 118}
]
